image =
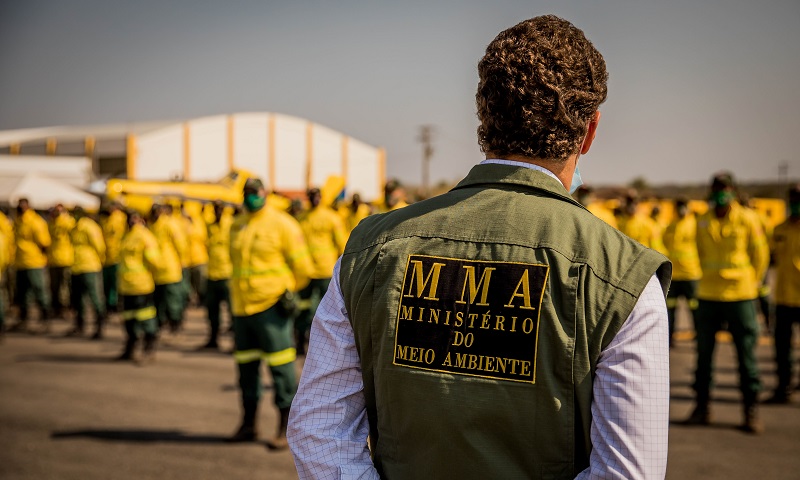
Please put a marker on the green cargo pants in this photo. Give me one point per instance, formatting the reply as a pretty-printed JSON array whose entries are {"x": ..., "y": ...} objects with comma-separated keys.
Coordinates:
[
  {"x": 169, "y": 299},
  {"x": 87, "y": 285},
  {"x": 677, "y": 289},
  {"x": 110, "y": 287},
  {"x": 30, "y": 282},
  {"x": 739, "y": 318},
  {"x": 265, "y": 336},
  {"x": 217, "y": 291}
]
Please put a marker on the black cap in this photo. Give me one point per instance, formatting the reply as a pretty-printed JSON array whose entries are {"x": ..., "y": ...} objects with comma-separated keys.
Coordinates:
[
  {"x": 253, "y": 183},
  {"x": 722, "y": 180}
]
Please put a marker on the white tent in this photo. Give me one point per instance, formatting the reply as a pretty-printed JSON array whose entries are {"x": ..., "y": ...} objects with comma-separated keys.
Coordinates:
[{"x": 44, "y": 192}]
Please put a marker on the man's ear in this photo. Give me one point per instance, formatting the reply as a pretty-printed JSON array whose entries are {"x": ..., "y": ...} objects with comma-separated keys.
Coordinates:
[{"x": 590, "y": 133}]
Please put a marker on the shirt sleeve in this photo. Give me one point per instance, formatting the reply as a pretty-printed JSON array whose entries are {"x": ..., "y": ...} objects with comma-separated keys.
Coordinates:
[
  {"x": 328, "y": 425},
  {"x": 630, "y": 406}
]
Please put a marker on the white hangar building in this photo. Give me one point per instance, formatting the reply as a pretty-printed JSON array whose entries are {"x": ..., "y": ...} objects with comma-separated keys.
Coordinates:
[{"x": 290, "y": 154}]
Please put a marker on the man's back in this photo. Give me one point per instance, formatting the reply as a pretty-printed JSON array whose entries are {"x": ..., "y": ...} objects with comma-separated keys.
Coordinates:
[{"x": 478, "y": 332}]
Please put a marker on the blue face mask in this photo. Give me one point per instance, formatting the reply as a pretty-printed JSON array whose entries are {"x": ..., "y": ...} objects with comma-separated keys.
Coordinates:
[{"x": 577, "y": 181}]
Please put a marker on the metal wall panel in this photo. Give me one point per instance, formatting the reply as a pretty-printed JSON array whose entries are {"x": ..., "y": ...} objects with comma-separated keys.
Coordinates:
[
  {"x": 251, "y": 144},
  {"x": 363, "y": 171},
  {"x": 160, "y": 154},
  {"x": 208, "y": 149},
  {"x": 290, "y": 153},
  {"x": 326, "y": 154}
]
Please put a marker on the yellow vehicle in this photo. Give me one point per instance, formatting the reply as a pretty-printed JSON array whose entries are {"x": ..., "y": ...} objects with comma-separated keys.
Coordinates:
[{"x": 140, "y": 195}]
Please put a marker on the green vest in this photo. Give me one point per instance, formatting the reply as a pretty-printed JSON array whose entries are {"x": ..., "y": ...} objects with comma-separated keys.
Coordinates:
[{"x": 479, "y": 316}]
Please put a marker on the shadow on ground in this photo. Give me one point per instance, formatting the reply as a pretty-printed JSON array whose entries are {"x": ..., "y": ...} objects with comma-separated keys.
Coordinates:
[{"x": 141, "y": 436}]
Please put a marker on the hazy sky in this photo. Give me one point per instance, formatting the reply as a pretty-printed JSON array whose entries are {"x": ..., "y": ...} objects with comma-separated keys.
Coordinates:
[{"x": 695, "y": 86}]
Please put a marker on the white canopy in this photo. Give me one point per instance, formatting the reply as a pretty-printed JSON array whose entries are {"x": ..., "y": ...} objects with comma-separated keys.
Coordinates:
[{"x": 44, "y": 192}]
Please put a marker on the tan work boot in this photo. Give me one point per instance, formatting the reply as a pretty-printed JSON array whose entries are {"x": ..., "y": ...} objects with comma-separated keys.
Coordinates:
[
  {"x": 752, "y": 422},
  {"x": 701, "y": 415},
  {"x": 280, "y": 442}
]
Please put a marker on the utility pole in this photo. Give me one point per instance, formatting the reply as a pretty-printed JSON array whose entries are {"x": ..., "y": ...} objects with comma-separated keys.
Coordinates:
[
  {"x": 426, "y": 138},
  {"x": 783, "y": 172}
]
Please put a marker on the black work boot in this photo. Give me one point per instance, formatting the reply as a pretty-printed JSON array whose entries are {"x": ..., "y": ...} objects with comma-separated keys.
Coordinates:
[
  {"x": 148, "y": 350},
  {"x": 247, "y": 432},
  {"x": 280, "y": 442},
  {"x": 98, "y": 332},
  {"x": 781, "y": 396},
  {"x": 127, "y": 353},
  {"x": 752, "y": 422},
  {"x": 701, "y": 415}
]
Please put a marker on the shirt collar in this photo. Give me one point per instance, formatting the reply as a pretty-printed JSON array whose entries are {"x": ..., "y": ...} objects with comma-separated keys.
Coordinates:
[{"x": 515, "y": 163}]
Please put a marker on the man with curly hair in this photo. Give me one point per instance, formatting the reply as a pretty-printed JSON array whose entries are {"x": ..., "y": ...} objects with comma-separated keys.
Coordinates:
[{"x": 499, "y": 330}]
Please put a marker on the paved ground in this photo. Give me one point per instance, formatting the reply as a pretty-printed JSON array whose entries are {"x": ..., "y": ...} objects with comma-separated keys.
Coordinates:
[{"x": 68, "y": 412}]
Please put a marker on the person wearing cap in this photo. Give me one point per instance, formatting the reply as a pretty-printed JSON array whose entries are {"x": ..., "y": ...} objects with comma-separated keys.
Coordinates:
[
  {"x": 60, "y": 257},
  {"x": 499, "y": 330},
  {"x": 169, "y": 291},
  {"x": 680, "y": 240},
  {"x": 394, "y": 197},
  {"x": 139, "y": 262},
  {"x": 90, "y": 250},
  {"x": 786, "y": 255},
  {"x": 639, "y": 226},
  {"x": 354, "y": 212},
  {"x": 32, "y": 238},
  {"x": 197, "y": 234},
  {"x": 270, "y": 262},
  {"x": 585, "y": 196},
  {"x": 114, "y": 224},
  {"x": 733, "y": 255},
  {"x": 219, "y": 271},
  {"x": 4, "y": 241},
  {"x": 326, "y": 236}
]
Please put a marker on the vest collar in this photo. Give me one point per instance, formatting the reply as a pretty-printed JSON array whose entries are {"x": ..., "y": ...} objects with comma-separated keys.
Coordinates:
[{"x": 528, "y": 178}]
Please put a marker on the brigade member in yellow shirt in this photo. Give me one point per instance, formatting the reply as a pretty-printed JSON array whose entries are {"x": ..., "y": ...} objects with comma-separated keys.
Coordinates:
[
  {"x": 270, "y": 261},
  {"x": 182, "y": 227},
  {"x": 32, "y": 239},
  {"x": 90, "y": 250},
  {"x": 219, "y": 271},
  {"x": 733, "y": 257},
  {"x": 169, "y": 291},
  {"x": 139, "y": 261},
  {"x": 326, "y": 237},
  {"x": 60, "y": 256},
  {"x": 113, "y": 221},
  {"x": 353, "y": 213},
  {"x": 4, "y": 240},
  {"x": 680, "y": 240},
  {"x": 786, "y": 255},
  {"x": 197, "y": 234},
  {"x": 585, "y": 196},
  {"x": 639, "y": 226},
  {"x": 7, "y": 230}
]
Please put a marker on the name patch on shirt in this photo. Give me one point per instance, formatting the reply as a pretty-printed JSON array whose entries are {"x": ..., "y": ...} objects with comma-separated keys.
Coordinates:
[{"x": 468, "y": 317}]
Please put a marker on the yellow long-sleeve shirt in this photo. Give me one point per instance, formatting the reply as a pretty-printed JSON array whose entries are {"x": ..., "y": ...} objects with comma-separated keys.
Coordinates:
[
  {"x": 90, "y": 249},
  {"x": 644, "y": 230},
  {"x": 114, "y": 227},
  {"x": 326, "y": 237},
  {"x": 786, "y": 251},
  {"x": 733, "y": 255},
  {"x": 680, "y": 240},
  {"x": 7, "y": 230},
  {"x": 269, "y": 256},
  {"x": 4, "y": 260},
  {"x": 219, "y": 249},
  {"x": 31, "y": 236},
  {"x": 139, "y": 259},
  {"x": 182, "y": 227},
  {"x": 604, "y": 214},
  {"x": 197, "y": 236},
  {"x": 61, "y": 253},
  {"x": 171, "y": 241}
]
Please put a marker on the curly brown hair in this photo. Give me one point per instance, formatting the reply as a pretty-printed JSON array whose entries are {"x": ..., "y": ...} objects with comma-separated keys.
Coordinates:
[{"x": 540, "y": 82}]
